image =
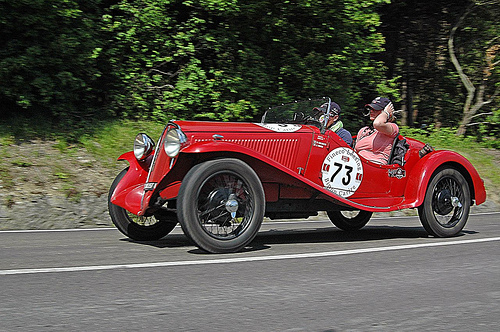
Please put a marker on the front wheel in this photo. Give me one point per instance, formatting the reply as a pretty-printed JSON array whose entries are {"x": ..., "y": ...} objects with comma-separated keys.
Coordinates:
[
  {"x": 139, "y": 228},
  {"x": 446, "y": 204},
  {"x": 349, "y": 220},
  {"x": 221, "y": 205}
]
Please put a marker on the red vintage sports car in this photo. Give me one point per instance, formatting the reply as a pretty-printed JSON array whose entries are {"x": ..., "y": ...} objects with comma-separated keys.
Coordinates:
[{"x": 220, "y": 179}]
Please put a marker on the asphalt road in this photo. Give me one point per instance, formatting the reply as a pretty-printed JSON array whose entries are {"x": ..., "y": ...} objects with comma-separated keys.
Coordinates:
[{"x": 302, "y": 276}]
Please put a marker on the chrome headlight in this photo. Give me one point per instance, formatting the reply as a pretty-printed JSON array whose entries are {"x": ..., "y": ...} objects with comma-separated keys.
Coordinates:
[
  {"x": 143, "y": 146},
  {"x": 173, "y": 142}
]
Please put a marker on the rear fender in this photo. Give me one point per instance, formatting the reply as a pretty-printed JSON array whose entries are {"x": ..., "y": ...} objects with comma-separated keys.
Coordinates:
[
  {"x": 424, "y": 169},
  {"x": 129, "y": 191}
]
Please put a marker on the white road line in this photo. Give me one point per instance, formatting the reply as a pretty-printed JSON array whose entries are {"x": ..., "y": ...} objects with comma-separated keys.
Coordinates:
[{"x": 244, "y": 259}]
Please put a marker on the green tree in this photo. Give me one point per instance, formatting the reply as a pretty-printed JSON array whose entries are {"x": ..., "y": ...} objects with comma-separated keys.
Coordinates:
[
  {"x": 216, "y": 59},
  {"x": 298, "y": 49},
  {"x": 46, "y": 63},
  {"x": 227, "y": 59},
  {"x": 159, "y": 57}
]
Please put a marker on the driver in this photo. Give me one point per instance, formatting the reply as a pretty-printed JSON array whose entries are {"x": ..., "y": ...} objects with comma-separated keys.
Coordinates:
[{"x": 334, "y": 124}]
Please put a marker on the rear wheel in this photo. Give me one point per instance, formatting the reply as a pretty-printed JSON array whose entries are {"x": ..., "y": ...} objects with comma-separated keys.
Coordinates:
[
  {"x": 221, "y": 205},
  {"x": 349, "y": 220},
  {"x": 446, "y": 205},
  {"x": 140, "y": 228}
]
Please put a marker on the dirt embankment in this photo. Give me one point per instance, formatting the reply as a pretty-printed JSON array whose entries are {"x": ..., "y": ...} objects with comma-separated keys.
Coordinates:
[{"x": 43, "y": 185}]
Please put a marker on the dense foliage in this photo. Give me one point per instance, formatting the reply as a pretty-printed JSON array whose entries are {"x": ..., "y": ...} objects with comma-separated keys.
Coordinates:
[
  {"x": 76, "y": 60},
  {"x": 45, "y": 59}
]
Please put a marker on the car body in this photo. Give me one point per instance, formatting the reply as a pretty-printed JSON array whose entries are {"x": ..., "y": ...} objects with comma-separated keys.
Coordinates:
[{"x": 220, "y": 179}]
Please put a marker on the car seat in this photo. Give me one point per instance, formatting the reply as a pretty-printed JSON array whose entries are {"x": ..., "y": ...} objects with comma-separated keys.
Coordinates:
[{"x": 398, "y": 151}]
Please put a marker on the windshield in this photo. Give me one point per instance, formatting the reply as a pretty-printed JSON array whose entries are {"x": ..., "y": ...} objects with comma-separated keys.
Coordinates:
[{"x": 307, "y": 112}]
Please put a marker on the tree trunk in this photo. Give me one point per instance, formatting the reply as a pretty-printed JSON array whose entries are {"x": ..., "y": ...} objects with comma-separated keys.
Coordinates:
[
  {"x": 471, "y": 90},
  {"x": 475, "y": 96}
]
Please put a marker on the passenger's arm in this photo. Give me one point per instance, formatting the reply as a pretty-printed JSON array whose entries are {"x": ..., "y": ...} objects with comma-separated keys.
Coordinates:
[{"x": 381, "y": 122}]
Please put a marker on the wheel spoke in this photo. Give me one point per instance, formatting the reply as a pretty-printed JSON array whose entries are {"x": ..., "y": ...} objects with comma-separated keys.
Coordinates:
[
  {"x": 445, "y": 193},
  {"x": 141, "y": 220},
  {"x": 213, "y": 213},
  {"x": 210, "y": 210}
]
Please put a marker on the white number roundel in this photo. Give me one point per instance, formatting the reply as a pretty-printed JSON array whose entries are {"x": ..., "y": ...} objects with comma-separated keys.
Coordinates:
[{"x": 342, "y": 172}]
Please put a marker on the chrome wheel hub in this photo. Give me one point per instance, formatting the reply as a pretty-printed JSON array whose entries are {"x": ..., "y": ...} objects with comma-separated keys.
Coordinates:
[{"x": 232, "y": 205}]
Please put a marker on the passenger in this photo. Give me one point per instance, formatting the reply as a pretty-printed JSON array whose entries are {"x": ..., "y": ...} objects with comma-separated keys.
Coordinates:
[
  {"x": 375, "y": 142},
  {"x": 334, "y": 124}
]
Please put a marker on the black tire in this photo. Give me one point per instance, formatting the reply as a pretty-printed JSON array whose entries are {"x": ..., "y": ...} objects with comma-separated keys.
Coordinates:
[
  {"x": 446, "y": 204},
  {"x": 208, "y": 194},
  {"x": 349, "y": 220},
  {"x": 139, "y": 228}
]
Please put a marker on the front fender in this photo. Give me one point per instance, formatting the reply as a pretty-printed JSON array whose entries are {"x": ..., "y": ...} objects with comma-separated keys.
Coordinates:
[
  {"x": 129, "y": 191},
  {"x": 423, "y": 170}
]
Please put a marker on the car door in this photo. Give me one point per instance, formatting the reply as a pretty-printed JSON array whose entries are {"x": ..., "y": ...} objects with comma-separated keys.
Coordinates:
[{"x": 336, "y": 166}]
